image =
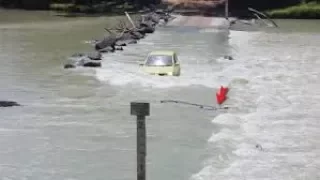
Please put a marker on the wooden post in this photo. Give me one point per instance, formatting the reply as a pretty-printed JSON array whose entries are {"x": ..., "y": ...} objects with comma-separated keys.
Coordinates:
[
  {"x": 226, "y": 9},
  {"x": 141, "y": 110}
]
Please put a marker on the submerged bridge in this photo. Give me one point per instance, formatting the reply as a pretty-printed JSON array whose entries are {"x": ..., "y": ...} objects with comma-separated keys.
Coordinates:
[
  {"x": 200, "y": 22},
  {"x": 196, "y": 7}
]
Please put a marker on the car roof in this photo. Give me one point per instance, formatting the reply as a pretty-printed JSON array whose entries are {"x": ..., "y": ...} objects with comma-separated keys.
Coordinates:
[{"x": 163, "y": 52}]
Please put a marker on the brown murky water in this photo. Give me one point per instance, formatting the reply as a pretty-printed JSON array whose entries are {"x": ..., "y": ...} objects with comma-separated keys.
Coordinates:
[{"x": 75, "y": 124}]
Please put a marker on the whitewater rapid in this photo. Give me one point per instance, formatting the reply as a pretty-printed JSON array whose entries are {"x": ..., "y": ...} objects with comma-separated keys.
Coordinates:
[
  {"x": 194, "y": 57},
  {"x": 76, "y": 123},
  {"x": 272, "y": 130}
]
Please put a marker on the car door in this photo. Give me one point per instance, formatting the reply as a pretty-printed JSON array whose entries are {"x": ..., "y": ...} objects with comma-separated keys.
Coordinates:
[{"x": 176, "y": 68}]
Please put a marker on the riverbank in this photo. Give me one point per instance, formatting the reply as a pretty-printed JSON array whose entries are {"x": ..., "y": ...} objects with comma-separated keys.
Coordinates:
[
  {"x": 302, "y": 11},
  {"x": 104, "y": 7}
]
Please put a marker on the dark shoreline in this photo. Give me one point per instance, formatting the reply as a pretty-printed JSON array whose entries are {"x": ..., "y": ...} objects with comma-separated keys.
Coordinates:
[{"x": 301, "y": 11}]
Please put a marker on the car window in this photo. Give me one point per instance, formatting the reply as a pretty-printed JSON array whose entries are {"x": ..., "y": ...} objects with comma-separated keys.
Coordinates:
[
  {"x": 175, "y": 58},
  {"x": 159, "y": 60}
]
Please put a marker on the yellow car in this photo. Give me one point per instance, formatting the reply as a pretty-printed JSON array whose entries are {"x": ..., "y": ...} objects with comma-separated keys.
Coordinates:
[{"x": 162, "y": 63}]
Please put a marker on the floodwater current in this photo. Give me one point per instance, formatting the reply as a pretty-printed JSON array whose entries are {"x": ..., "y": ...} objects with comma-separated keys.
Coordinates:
[{"x": 76, "y": 124}]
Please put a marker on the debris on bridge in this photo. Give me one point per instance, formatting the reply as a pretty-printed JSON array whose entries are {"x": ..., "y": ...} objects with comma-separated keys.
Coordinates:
[
  {"x": 126, "y": 33},
  {"x": 123, "y": 34},
  {"x": 8, "y": 103}
]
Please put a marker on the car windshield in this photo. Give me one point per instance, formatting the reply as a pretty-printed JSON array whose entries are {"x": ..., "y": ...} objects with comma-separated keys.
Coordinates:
[{"x": 159, "y": 60}]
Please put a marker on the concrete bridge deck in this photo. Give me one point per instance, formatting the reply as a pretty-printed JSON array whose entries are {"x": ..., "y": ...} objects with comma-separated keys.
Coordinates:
[{"x": 200, "y": 21}]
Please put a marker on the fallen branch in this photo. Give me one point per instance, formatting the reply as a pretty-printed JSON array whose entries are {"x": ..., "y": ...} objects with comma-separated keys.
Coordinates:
[
  {"x": 261, "y": 19},
  {"x": 129, "y": 18},
  {"x": 108, "y": 30},
  {"x": 260, "y": 13}
]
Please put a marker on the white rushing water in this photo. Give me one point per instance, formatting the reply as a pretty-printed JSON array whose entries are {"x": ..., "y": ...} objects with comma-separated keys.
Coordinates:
[
  {"x": 272, "y": 131},
  {"x": 276, "y": 98},
  {"x": 198, "y": 60},
  {"x": 75, "y": 123}
]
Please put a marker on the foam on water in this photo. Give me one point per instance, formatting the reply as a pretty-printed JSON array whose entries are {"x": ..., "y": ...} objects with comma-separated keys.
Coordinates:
[
  {"x": 116, "y": 74},
  {"x": 198, "y": 61},
  {"x": 274, "y": 131}
]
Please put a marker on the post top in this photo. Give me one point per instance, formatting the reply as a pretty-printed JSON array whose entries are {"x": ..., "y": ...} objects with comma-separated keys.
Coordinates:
[{"x": 139, "y": 108}]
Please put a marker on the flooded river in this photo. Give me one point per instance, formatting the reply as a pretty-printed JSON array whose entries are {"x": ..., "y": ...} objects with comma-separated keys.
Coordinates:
[{"x": 76, "y": 124}]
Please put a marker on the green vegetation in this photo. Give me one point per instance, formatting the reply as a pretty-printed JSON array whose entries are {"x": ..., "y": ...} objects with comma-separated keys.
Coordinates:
[
  {"x": 306, "y": 9},
  {"x": 310, "y": 10},
  {"x": 103, "y": 7},
  {"x": 79, "y": 6}
]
